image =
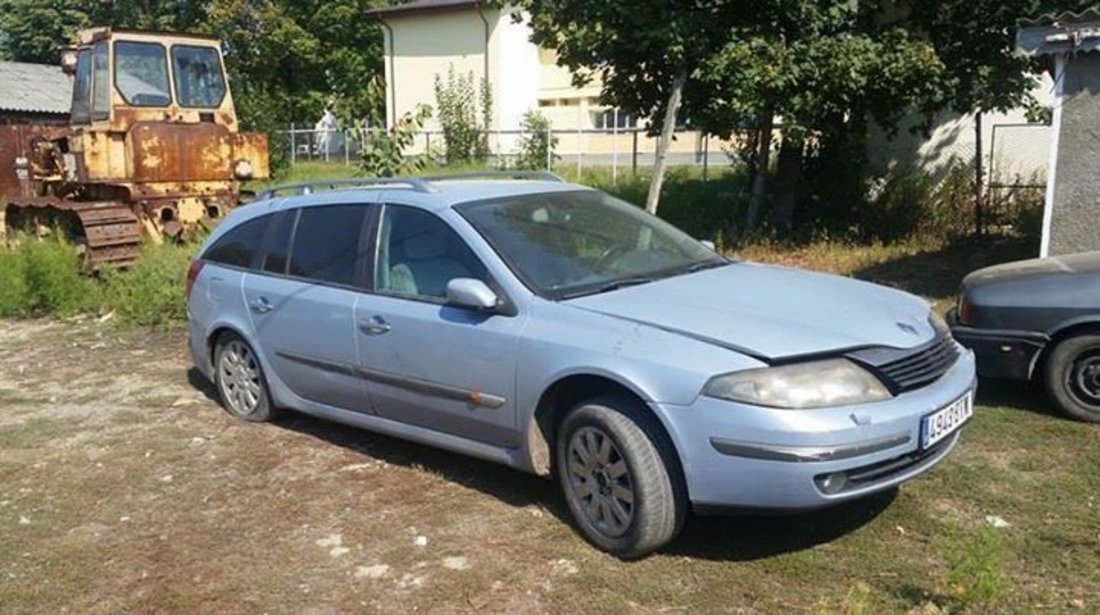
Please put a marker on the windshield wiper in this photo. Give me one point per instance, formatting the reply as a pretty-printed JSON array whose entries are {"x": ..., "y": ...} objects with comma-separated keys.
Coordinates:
[
  {"x": 610, "y": 286},
  {"x": 707, "y": 265}
]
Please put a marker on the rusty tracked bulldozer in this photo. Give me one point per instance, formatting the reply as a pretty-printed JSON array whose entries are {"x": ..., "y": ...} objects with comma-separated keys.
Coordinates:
[{"x": 152, "y": 148}]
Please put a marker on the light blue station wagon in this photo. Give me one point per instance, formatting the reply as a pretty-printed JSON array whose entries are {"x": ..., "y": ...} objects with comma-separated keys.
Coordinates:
[{"x": 555, "y": 329}]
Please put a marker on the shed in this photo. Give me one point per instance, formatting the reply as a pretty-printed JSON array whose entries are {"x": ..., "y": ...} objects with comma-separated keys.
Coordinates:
[
  {"x": 1071, "y": 216},
  {"x": 34, "y": 93}
]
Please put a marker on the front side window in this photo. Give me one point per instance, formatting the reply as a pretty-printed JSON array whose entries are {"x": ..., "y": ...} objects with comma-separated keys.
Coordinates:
[
  {"x": 240, "y": 245},
  {"x": 198, "y": 75},
  {"x": 101, "y": 83},
  {"x": 418, "y": 254},
  {"x": 82, "y": 88},
  {"x": 141, "y": 74},
  {"x": 569, "y": 244},
  {"x": 326, "y": 243}
]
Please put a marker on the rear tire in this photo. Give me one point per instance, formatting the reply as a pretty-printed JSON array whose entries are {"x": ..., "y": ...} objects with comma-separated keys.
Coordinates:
[
  {"x": 239, "y": 377},
  {"x": 1072, "y": 377},
  {"x": 620, "y": 476}
]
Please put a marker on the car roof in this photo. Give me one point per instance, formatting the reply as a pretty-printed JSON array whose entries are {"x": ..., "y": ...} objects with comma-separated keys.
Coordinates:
[
  {"x": 440, "y": 191},
  {"x": 432, "y": 194}
]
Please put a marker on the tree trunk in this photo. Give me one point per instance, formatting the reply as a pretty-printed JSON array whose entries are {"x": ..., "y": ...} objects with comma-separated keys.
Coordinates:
[
  {"x": 760, "y": 174},
  {"x": 788, "y": 177},
  {"x": 664, "y": 142}
]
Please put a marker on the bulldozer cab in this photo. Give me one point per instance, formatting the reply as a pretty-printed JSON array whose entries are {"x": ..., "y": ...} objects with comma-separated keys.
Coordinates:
[
  {"x": 121, "y": 78},
  {"x": 153, "y": 148}
]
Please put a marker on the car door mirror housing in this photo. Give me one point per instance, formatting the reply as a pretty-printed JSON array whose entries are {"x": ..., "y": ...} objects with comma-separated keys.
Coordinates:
[
  {"x": 471, "y": 293},
  {"x": 708, "y": 244}
]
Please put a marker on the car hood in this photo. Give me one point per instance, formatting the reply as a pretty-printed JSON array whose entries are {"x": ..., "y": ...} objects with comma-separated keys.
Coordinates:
[
  {"x": 1084, "y": 263},
  {"x": 771, "y": 312}
]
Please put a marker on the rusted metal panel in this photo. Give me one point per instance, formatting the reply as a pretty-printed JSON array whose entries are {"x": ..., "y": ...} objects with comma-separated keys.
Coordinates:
[
  {"x": 180, "y": 152},
  {"x": 15, "y": 142}
]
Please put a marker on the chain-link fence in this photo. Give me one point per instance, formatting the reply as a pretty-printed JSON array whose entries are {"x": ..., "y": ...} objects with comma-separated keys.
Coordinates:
[{"x": 628, "y": 149}]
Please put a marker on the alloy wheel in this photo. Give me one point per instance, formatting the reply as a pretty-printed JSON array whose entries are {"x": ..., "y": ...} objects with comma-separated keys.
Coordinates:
[
  {"x": 599, "y": 482},
  {"x": 239, "y": 378}
]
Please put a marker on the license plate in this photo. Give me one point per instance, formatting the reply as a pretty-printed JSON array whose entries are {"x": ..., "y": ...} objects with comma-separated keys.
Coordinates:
[{"x": 942, "y": 423}]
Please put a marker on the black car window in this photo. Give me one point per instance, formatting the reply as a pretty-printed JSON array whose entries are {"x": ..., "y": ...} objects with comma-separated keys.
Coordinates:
[
  {"x": 278, "y": 242},
  {"x": 418, "y": 254},
  {"x": 326, "y": 243},
  {"x": 240, "y": 245}
]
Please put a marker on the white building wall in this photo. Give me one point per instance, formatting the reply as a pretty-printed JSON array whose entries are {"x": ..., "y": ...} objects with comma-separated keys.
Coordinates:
[
  {"x": 421, "y": 46},
  {"x": 516, "y": 73},
  {"x": 1017, "y": 150}
]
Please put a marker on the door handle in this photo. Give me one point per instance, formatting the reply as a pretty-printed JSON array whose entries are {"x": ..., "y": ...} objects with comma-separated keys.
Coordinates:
[
  {"x": 261, "y": 305},
  {"x": 375, "y": 325}
]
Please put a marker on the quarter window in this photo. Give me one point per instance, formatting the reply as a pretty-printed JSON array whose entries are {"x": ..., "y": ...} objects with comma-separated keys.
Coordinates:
[
  {"x": 198, "y": 75},
  {"x": 326, "y": 243},
  {"x": 240, "y": 245},
  {"x": 418, "y": 254},
  {"x": 141, "y": 74}
]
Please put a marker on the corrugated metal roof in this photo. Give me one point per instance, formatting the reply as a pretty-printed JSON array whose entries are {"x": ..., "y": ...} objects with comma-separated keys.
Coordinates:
[
  {"x": 34, "y": 88},
  {"x": 1062, "y": 19},
  {"x": 1058, "y": 34},
  {"x": 422, "y": 6}
]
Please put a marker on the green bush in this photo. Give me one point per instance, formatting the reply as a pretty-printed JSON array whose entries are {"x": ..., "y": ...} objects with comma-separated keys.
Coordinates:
[
  {"x": 41, "y": 277},
  {"x": 151, "y": 293}
]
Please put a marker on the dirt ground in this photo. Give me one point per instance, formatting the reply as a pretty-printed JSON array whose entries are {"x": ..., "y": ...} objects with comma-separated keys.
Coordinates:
[{"x": 125, "y": 488}]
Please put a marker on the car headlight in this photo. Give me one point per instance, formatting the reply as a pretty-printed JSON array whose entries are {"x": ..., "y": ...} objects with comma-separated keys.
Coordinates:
[{"x": 832, "y": 382}]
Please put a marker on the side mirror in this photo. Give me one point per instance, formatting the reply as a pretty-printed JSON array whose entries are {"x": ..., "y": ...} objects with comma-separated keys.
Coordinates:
[
  {"x": 708, "y": 244},
  {"x": 471, "y": 293}
]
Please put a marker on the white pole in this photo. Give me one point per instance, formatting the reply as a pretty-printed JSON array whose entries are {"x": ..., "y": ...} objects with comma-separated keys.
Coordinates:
[{"x": 1052, "y": 165}]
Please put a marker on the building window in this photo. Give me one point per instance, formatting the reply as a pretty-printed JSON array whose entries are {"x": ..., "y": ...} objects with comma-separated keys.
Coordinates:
[{"x": 606, "y": 120}]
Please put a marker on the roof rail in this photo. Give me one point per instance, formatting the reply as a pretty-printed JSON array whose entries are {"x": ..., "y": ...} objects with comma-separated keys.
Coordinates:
[
  {"x": 416, "y": 183},
  {"x": 539, "y": 175}
]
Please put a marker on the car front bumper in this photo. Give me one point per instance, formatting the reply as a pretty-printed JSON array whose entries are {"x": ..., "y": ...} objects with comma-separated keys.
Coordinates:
[
  {"x": 1001, "y": 354},
  {"x": 741, "y": 456}
]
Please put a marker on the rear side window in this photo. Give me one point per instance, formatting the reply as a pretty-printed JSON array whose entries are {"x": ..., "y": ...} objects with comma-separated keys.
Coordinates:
[
  {"x": 326, "y": 243},
  {"x": 240, "y": 245}
]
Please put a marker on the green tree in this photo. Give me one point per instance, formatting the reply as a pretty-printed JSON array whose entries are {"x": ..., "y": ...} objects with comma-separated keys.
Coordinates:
[
  {"x": 464, "y": 112},
  {"x": 536, "y": 146},
  {"x": 645, "y": 52}
]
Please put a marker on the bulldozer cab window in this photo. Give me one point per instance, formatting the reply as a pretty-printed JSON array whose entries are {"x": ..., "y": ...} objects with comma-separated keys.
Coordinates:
[
  {"x": 198, "y": 75},
  {"x": 141, "y": 74},
  {"x": 101, "y": 82},
  {"x": 82, "y": 88}
]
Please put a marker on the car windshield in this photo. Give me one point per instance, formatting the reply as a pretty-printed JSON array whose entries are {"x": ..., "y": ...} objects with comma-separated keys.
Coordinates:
[{"x": 569, "y": 244}]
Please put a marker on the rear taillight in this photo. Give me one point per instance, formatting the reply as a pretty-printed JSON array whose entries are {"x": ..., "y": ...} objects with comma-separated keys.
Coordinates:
[{"x": 192, "y": 275}]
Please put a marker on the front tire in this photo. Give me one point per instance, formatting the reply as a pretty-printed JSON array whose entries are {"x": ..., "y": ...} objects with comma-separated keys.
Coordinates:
[
  {"x": 240, "y": 380},
  {"x": 620, "y": 477},
  {"x": 1072, "y": 377}
]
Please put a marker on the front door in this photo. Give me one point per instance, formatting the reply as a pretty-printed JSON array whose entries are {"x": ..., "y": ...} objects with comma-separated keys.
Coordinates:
[{"x": 425, "y": 363}]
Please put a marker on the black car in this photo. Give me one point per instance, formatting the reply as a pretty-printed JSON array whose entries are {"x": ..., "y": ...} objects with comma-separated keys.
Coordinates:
[{"x": 1038, "y": 319}]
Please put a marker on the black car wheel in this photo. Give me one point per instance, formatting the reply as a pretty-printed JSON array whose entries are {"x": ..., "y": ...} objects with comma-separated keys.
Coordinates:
[
  {"x": 1072, "y": 377},
  {"x": 620, "y": 477}
]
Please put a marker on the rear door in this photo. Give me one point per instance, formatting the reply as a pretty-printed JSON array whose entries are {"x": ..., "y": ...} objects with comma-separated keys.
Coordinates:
[
  {"x": 302, "y": 301},
  {"x": 426, "y": 363}
]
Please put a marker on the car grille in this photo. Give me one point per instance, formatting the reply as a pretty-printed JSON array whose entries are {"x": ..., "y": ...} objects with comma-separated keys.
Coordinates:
[{"x": 908, "y": 370}]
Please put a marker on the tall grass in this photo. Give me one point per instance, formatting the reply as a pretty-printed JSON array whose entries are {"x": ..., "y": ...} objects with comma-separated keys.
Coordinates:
[{"x": 40, "y": 277}]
